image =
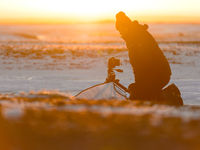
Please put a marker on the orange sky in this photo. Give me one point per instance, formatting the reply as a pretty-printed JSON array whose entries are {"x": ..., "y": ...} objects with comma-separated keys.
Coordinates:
[{"x": 63, "y": 11}]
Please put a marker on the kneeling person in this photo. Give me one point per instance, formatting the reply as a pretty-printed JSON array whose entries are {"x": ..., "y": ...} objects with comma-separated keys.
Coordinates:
[{"x": 150, "y": 66}]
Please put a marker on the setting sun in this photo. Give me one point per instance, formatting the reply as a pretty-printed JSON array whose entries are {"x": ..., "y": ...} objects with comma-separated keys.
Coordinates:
[
  {"x": 99, "y": 74},
  {"x": 93, "y": 10}
]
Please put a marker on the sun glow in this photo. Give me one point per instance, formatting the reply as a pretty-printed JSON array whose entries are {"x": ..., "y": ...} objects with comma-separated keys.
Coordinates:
[{"x": 93, "y": 10}]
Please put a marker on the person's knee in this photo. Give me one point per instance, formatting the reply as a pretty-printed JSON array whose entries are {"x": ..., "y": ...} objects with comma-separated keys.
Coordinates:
[
  {"x": 132, "y": 90},
  {"x": 136, "y": 91},
  {"x": 144, "y": 91}
]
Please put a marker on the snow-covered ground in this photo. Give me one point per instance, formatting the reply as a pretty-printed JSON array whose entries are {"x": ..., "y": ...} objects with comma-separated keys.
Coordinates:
[{"x": 70, "y": 58}]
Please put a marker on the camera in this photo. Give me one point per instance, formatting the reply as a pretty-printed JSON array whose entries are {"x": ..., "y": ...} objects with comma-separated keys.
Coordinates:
[{"x": 113, "y": 62}]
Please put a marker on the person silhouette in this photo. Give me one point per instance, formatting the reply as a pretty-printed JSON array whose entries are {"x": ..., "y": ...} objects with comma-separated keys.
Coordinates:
[{"x": 150, "y": 66}]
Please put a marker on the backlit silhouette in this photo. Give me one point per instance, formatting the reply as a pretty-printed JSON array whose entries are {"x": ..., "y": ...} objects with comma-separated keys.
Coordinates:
[{"x": 151, "y": 68}]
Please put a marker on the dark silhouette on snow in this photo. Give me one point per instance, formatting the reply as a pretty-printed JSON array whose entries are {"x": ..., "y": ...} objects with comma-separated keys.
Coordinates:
[{"x": 150, "y": 66}]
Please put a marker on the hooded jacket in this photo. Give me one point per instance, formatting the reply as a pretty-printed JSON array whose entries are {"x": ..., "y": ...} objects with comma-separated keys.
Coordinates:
[{"x": 149, "y": 64}]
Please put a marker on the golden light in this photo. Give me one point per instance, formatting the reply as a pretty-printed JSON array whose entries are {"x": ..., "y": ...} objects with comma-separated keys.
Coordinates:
[{"x": 92, "y": 10}]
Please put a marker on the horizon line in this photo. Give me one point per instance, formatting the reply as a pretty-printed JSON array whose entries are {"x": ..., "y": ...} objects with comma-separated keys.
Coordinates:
[{"x": 142, "y": 19}]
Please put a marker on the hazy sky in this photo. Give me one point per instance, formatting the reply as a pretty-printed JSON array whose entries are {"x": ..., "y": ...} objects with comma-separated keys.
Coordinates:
[{"x": 86, "y": 10}]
